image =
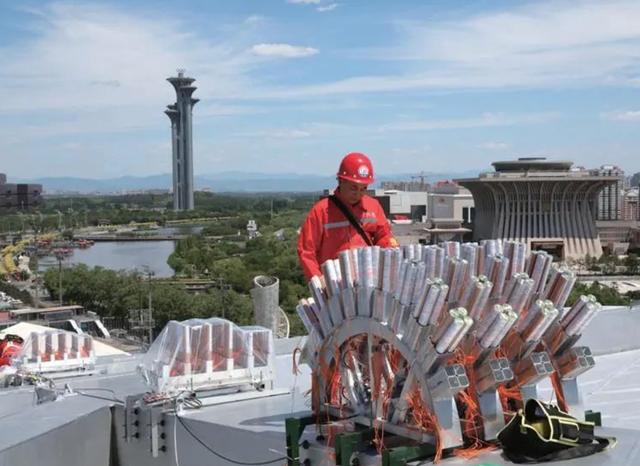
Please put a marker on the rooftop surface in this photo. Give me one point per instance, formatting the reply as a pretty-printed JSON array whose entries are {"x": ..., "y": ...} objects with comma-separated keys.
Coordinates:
[
  {"x": 532, "y": 163},
  {"x": 75, "y": 430}
]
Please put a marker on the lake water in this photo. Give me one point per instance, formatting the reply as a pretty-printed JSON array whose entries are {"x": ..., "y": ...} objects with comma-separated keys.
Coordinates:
[
  {"x": 121, "y": 255},
  {"x": 129, "y": 255}
]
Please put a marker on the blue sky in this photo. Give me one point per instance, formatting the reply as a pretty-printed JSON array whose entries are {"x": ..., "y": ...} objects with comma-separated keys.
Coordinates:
[{"x": 290, "y": 86}]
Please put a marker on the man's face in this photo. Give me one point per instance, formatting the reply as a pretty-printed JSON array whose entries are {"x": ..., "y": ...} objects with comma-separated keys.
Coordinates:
[{"x": 352, "y": 192}]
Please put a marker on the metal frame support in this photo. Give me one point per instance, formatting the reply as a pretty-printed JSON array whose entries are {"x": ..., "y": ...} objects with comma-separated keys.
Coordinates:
[
  {"x": 294, "y": 426},
  {"x": 593, "y": 416},
  {"x": 347, "y": 443},
  {"x": 400, "y": 456}
]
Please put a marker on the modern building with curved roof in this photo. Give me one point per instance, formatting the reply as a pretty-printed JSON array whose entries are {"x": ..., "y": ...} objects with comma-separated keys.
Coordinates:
[{"x": 547, "y": 204}]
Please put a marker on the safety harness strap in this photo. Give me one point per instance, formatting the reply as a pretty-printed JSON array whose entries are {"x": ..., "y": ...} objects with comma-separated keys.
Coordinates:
[{"x": 349, "y": 215}]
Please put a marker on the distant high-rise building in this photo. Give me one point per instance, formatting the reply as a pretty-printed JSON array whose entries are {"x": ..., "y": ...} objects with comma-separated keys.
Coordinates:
[
  {"x": 20, "y": 195},
  {"x": 610, "y": 198},
  {"x": 413, "y": 186},
  {"x": 180, "y": 114},
  {"x": 631, "y": 205}
]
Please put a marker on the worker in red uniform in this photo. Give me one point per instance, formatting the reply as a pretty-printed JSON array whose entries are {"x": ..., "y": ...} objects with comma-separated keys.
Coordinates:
[{"x": 348, "y": 219}]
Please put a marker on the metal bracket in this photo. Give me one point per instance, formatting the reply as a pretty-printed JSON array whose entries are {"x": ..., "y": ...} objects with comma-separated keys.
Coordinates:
[
  {"x": 348, "y": 443},
  {"x": 593, "y": 416},
  {"x": 294, "y": 427},
  {"x": 132, "y": 417},
  {"x": 400, "y": 456},
  {"x": 156, "y": 428}
]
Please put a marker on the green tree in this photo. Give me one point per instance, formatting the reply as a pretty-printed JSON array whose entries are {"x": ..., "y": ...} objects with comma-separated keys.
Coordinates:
[
  {"x": 605, "y": 295},
  {"x": 632, "y": 263}
]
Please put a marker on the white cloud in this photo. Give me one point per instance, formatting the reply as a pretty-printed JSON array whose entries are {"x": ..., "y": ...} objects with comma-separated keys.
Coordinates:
[
  {"x": 282, "y": 50},
  {"x": 255, "y": 19},
  {"x": 92, "y": 57},
  {"x": 483, "y": 121},
  {"x": 305, "y": 2},
  {"x": 283, "y": 133},
  {"x": 627, "y": 115},
  {"x": 493, "y": 145},
  {"x": 325, "y": 8},
  {"x": 291, "y": 134},
  {"x": 540, "y": 45}
]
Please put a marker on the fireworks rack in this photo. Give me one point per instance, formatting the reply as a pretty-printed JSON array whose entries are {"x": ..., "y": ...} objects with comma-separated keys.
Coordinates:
[
  {"x": 434, "y": 345},
  {"x": 209, "y": 354},
  {"x": 56, "y": 353}
]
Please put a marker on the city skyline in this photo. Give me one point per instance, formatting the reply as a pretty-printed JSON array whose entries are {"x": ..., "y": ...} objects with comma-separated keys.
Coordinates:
[{"x": 293, "y": 85}]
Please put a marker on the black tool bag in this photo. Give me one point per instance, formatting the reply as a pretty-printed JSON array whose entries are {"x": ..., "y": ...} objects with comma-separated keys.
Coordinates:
[{"x": 542, "y": 433}]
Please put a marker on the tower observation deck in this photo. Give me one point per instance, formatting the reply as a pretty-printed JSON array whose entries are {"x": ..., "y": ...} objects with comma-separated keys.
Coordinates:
[{"x": 180, "y": 114}]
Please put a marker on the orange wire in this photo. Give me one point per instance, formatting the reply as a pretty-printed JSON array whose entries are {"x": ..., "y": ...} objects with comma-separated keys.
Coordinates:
[
  {"x": 427, "y": 421},
  {"x": 557, "y": 387}
]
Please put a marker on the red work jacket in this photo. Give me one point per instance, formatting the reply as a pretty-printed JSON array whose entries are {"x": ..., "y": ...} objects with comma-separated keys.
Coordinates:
[{"x": 326, "y": 232}]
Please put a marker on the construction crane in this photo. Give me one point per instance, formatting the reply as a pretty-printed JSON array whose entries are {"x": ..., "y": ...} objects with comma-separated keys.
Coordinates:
[{"x": 420, "y": 176}]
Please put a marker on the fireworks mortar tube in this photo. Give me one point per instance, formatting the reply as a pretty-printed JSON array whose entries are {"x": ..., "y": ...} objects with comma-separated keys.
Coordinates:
[
  {"x": 409, "y": 284},
  {"x": 451, "y": 248},
  {"x": 347, "y": 272},
  {"x": 585, "y": 315},
  {"x": 456, "y": 274},
  {"x": 396, "y": 270},
  {"x": 322, "y": 316},
  {"x": 590, "y": 318},
  {"x": 476, "y": 296},
  {"x": 301, "y": 309},
  {"x": 468, "y": 323},
  {"x": 469, "y": 252},
  {"x": 574, "y": 310},
  {"x": 486, "y": 321},
  {"x": 489, "y": 339},
  {"x": 422, "y": 298},
  {"x": 365, "y": 264},
  {"x": 550, "y": 315},
  {"x": 407, "y": 252},
  {"x": 355, "y": 266},
  {"x": 521, "y": 291},
  {"x": 451, "y": 327},
  {"x": 330, "y": 278},
  {"x": 440, "y": 258},
  {"x": 513, "y": 317},
  {"x": 417, "y": 252},
  {"x": 386, "y": 270},
  {"x": 548, "y": 261},
  {"x": 400, "y": 278},
  {"x": 426, "y": 306},
  {"x": 420, "y": 283},
  {"x": 566, "y": 291},
  {"x": 429, "y": 258},
  {"x": 375, "y": 263},
  {"x": 434, "y": 318}
]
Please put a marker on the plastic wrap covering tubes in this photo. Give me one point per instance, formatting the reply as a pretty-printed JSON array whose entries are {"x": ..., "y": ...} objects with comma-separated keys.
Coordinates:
[
  {"x": 204, "y": 354},
  {"x": 55, "y": 351}
]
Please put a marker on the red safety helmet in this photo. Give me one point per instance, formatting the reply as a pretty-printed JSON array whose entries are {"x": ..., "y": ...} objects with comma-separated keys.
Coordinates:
[{"x": 356, "y": 167}]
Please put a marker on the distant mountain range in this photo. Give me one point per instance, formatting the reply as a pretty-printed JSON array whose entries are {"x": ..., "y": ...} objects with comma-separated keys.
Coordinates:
[{"x": 231, "y": 181}]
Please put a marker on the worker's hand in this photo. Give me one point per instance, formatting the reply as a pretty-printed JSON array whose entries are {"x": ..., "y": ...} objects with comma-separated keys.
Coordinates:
[{"x": 393, "y": 243}]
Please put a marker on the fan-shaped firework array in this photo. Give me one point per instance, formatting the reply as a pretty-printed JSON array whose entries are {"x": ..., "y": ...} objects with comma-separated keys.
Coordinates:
[{"x": 452, "y": 322}]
